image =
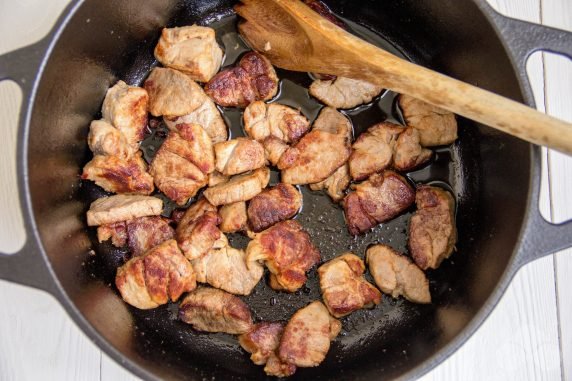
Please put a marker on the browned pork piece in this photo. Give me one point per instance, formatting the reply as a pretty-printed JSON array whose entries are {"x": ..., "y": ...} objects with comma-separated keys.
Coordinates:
[
  {"x": 119, "y": 208},
  {"x": 117, "y": 175},
  {"x": 238, "y": 188},
  {"x": 273, "y": 205},
  {"x": 172, "y": 93},
  {"x": 408, "y": 151},
  {"x": 336, "y": 184},
  {"x": 262, "y": 342},
  {"x": 432, "y": 232},
  {"x": 382, "y": 197},
  {"x": 344, "y": 92},
  {"x": 125, "y": 107},
  {"x": 213, "y": 310},
  {"x": 288, "y": 253},
  {"x": 396, "y": 275},
  {"x": 273, "y": 149},
  {"x": 320, "y": 152},
  {"x": 252, "y": 79},
  {"x": 190, "y": 49},
  {"x": 159, "y": 275},
  {"x": 197, "y": 232},
  {"x": 436, "y": 126},
  {"x": 262, "y": 120},
  {"x": 373, "y": 150},
  {"x": 207, "y": 116},
  {"x": 106, "y": 140},
  {"x": 233, "y": 217},
  {"x": 216, "y": 178},
  {"x": 238, "y": 155},
  {"x": 307, "y": 336},
  {"x": 343, "y": 287},
  {"x": 226, "y": 268},
  {"x": 140, "y": 234}
]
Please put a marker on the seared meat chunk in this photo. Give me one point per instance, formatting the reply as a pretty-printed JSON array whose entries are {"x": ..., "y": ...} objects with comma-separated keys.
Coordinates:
[
  {"x": 320, "y": 152},
  {"x": 396, "y": 275},
  {"x": 344, "y": 92},
  {"x": 379, "y": 199},
  {"x": 306, "y": 338},
  {"x": 141, "y": 234},
  {"x": 226, "y": 268},
  {"x": 125, "y": 107},
  {"x": 239, "y": 188},
  {"x": 106, "y": 140},
  {"x": 432, "y": 232},
  {"x": 408, "y": 152},
  {"x": 273, "y": 149},
  {"x": 172, "y": 93},
  {"x": 262, "y": 120},
  {"x": 190, "y": 49},
  {"x": 192, "y": 143},
  {"x": 207, "y": 116},
  {"x": 288, "y": 253},
  {"x": 119, "y": 208},
  {"x": 278, "y": 368},
  {"x": 436, "y": 126},
  {"x": 238, "y": 155},
  {"x": 233, "y": 217},
  {"x": 216, "y": 178},
  {"x": 117, "y": 175},
  {"x": 336, "y": 184},
  {"x": 273, "y": 205},
  {"x": 373, "y": 150},
  {"x": 343, "y": 287},
  {"x": 159, "y": 275},
  {"x": 198, "y": 232},
  {"x": 213, "y": 310},
  {"x": 252, "y": 79}
]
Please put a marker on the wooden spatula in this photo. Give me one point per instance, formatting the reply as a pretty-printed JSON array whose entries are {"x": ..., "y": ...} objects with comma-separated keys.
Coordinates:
[{"x": 294, "y": 37}]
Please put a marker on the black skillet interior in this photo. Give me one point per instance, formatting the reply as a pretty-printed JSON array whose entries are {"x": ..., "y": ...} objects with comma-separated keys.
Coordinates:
[{"x": 488, "y": 173}]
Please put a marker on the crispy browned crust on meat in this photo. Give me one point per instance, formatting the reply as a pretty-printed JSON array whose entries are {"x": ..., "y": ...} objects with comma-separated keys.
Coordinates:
[
  {"x": 343, "y": 287},
  {"x": 213, "y": 310},
  {"x": 233, "y": 217},
  {"x": 273, "y": 205},
  {"x": 432, "y": 232},
  {"x": 288, "y": 253},
  {"x": 262, "y": 120},
  {"x": 238, "y": 155},
  {"x": 382, "y": 197},
  {"x": 194, "y": 144},
  {"x": 408, "y": 152},
  {"x": 262, "y": 341},
  {"x": 119, "y": 175},
  {"x": 198, "y": 231}
]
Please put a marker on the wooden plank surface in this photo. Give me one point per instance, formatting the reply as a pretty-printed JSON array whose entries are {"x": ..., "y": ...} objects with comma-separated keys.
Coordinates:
[{"x": 519, "y": 340}]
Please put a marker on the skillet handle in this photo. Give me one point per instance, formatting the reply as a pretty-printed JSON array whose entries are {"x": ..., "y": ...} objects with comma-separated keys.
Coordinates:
[{"x": 27, "y": 267}]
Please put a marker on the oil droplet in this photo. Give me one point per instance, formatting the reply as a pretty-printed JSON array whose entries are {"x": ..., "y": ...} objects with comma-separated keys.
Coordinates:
[{"x": 273, "y": 301}]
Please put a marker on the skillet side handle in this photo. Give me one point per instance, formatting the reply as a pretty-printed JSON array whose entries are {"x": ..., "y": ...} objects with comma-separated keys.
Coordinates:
[
  {"x": 27, "y": 267},
  {"x": 543, "y": 238}
]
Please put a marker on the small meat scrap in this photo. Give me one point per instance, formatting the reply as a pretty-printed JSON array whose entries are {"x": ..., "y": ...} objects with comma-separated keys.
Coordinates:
[
  {"x": 117, "y": 175},
  {"x": 263, "y": 120},
  {"x": 198, "y": 232},
  {"x": 106, "y": 140},
  {"x": 140, "y": 234},
  {"x": 288, "y": 253},
  {"x": 119, "y": 208},
  {"x": 190, "y": 49},
  {"x": 432, "y": 232},
  {"x": 239, "y": 188},
  {"x": 396, "y": 275},
  {"x": 262, "y": 342},
  {"x": 436, "y": 126},
  {"x": 273, "y": 205},
  {"x": 307, "y": 336},
  {"x": 344, "y": 289},
  {"x": 159, "y": 275},
  {"x": 172, "y": 93},
  {"x": 409, "y": 154},
  {"x": 226, "y": 268},
  {"x": 233, "y": 217},
  {"x": 252, "y": 79},
  {"x": 336, "y": 184},
  {"x": 238, "y": 155},
  {"x": 382, "y": 197},
  {"x": 125, "y": 107},
  {"x": 373, "y": 150},
  {"x": 344, "y": 93},
  {"x": 273, "y": 149},
  {"x": 213, "y": 310},
  {"x": 320, "y": 152}
]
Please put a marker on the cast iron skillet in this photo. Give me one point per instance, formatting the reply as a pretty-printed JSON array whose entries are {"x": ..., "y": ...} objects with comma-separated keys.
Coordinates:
[{"x": 495, "y": 179}]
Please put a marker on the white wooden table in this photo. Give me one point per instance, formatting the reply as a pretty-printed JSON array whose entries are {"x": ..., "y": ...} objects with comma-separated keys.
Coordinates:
[{"x": 527, "y": 337}]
